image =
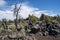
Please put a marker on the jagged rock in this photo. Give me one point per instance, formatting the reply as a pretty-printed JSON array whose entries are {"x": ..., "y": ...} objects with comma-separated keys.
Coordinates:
[
  {"x": 34, "y": 30},
  {"x": 42, "y": 23},
  {"x": 36, "y": 26},
  {"x": 40, "y": 33},
  {"x": 45, "y": 33},
  {"x": 41, "y": 29},
  {"x": 0, "y": 37},
  {"x": 3, "y": 37},
  {"x": 30, "y": 37},
  {"x": 12, "y": 36}
]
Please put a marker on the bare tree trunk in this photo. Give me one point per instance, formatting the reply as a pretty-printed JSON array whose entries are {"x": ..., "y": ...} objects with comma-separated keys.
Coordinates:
[
  {"x": 17, "y": 20},
  {"x": 16, "y": 10}
]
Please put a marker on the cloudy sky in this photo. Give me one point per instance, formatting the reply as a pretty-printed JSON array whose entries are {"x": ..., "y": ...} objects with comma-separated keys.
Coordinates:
[{"x": 35, "y": 7}]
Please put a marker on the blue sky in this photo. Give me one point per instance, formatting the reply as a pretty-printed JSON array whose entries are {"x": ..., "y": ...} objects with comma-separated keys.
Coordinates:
[
  {"x": 52, "y": 5},
  {"x": 48, "y": 7}
]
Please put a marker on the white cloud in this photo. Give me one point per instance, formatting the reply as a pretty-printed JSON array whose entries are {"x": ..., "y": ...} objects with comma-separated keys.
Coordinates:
[
  {"x": 2, "y": 2},
  {"x": 6, "y": 14},
  {"x": 24, "y": 12}
]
